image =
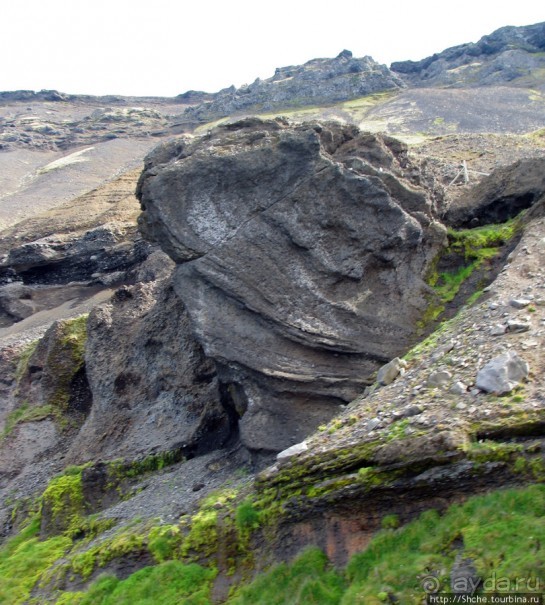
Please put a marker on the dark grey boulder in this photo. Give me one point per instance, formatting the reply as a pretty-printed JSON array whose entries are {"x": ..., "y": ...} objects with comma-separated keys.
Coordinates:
[{"x": 301, "y": 252}]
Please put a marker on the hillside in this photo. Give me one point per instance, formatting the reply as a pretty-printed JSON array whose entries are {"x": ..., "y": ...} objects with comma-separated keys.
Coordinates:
[{"x": 280, "y": 344}]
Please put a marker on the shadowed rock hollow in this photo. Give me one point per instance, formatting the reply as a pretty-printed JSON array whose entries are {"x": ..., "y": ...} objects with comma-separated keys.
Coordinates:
[{"x": 301, "y": 252}]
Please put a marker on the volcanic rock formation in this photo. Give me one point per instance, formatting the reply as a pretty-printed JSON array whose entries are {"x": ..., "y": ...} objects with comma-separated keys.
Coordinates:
[{"x": 288, "y": 240}]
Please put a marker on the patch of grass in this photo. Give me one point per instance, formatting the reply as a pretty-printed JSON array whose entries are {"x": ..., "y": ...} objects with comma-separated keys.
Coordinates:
[
  {"x": 23, "y": 559},
  {"x": 25, "y": 413},
  {"x": 501, "y": 532},
  {"x": 308, "y": 580},
  {"x": 246, "y": 516},
  {"x": 398, "y": 430},
  {"x": 170, "y": 583},
  {"x": 390, "y": 522},
  {"x": 24, "y": 358}
]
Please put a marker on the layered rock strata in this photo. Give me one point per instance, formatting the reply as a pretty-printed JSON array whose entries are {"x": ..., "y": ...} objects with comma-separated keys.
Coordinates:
[{"x": 301, "y": 252}]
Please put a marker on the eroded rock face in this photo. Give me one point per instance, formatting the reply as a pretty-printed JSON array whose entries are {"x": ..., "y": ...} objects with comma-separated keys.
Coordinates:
[
  {"x": 301, "y": 252},
  {"x": 153, "y": 390}
]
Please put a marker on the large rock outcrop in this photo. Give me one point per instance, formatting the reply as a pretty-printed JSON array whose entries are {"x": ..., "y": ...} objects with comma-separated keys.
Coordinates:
[
  {"x": 319, "y": 81},
  {"x": 301, "y": 252}
]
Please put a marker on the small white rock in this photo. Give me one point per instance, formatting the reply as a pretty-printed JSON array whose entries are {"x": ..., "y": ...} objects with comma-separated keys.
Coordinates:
[
  {"x": 498, "y": 330},
  {"x": 517, "y": 326},
  {"x": 439, "y": 378},
  {"x": 520, "y": 303},
  {"x": 458, "y": 388},
  {"x": 294, "y": 450}
]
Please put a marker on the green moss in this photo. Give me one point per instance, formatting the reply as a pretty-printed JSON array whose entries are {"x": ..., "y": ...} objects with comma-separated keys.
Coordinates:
[
  {"x": 492, "y": 451},
  {"x": 164, "y": 542},
  {"x": 474, "y": 297},
  {"x": 121, "y": 469},
  {"x": 469, "y": 250},
  {"x": 474, "y": 241},
  {"x": 398, "y": 430},
  {"x": 501, "y": 532},
  {"x": 533, "y": 468},
  {"x": 64, "y": 504},
  {"x": 202, "y": 539},
  {"x": 537, "y": 136},
  {"x": 125, "y": 541},
  {"x": 430, "y": 342}
]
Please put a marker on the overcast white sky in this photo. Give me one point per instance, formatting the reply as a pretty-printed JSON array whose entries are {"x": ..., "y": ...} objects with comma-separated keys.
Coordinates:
[{"x": 165, "y": 47}]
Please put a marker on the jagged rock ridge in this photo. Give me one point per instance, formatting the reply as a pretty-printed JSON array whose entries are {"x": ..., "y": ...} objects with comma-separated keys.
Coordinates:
[
  {"x": 507, "y": 56},
  {"x": 319, "y": 81},
  {"x": 288, "y": 240}
]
